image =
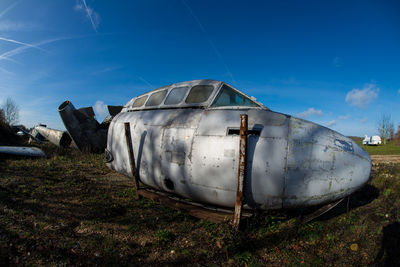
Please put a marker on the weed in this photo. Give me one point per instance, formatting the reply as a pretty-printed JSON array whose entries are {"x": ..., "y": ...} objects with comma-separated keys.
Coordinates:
[
  {"x": 243, "y": 258},
  {"x": 185, "y": 253},
  {"x": 316, "y": 261},
  {"x": 134, "y": 228},
  {"x": 331, "y": 237},
  {"x": 387, "y": 192},
  {"x": 207, "y": 225},
  {"x": 272, "y": 225},
  {"x": 164, "y": 236}
]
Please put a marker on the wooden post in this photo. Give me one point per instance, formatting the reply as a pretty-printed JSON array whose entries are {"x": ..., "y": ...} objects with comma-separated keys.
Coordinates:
[
  {"x": 131, "y": 157},
  {"x": 241, "y": 171}
]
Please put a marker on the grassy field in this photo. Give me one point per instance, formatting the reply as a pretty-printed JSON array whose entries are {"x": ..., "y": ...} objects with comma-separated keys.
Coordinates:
[
  {"x": 391, "y": 148},
  {"x": 68, "y": 209}
]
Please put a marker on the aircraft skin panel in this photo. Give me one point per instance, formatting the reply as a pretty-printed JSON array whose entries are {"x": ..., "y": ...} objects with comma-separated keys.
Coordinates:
[
  {"x": 178, "y": 159},
  {"x": 291, "y": 163},
  {"x": 116, "y": 144},
  {"x": 323, "y": 165},
  {"x": 215, "y": 156}
]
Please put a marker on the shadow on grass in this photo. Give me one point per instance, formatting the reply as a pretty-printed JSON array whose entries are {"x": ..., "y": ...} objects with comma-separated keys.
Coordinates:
[
  {"x": 389, "y": 254},
  {"x": 362, "y": 197}
]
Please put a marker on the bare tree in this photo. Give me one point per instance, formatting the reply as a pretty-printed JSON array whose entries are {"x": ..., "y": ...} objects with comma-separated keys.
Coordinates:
[
  {"x": 397, "y": 136},
  {"x": 385, "y": 127},
  {"x": 2, "y": 117},
  {"x": 11, "y": 111}
]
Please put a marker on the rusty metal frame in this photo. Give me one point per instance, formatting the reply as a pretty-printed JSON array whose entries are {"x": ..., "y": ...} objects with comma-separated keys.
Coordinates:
[
  {"x": 128, "y": 138},
  {"x": 192, "y": 208},
  {"x": 241, "y": 171}
]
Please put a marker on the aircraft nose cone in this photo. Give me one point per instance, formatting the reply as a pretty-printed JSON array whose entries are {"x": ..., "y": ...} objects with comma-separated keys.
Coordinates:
[{"x": 322, "y": 165}]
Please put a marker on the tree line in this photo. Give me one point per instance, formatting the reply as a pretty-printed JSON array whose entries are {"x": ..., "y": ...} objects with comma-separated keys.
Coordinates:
[
  {"x": 386, "y": 128},
  {"x": 9, "y": 112}
]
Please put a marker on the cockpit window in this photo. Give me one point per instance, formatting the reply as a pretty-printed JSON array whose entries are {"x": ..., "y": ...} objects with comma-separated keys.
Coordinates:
[
  {"x": 176, "y": 95},
  {"x": 229, "y": 97},
  {"x": 139, "y": 101},
  {"x": 199, "y": 94},
  {"x": 156, "y": 98}
]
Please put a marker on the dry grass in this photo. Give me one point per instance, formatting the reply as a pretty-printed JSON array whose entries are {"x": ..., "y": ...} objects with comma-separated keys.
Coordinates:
[{"x": 69, "y": 209}]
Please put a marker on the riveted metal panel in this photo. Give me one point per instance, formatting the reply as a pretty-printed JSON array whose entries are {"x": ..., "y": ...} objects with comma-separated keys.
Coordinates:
[
  {"x": 266, "y": 172},
  {"x": 217, "y": 121},
  {"x": 323, "y": 165},
  {"x": 215, "y": 157},
  {"x": 176, "y": 157}
]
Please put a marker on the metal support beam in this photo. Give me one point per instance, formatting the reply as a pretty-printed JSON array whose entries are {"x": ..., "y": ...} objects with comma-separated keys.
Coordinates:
[
  {"x": 241, "y": 172},
  {"x": 198, "y": 211},
  {"x": 131, "y": 157}
]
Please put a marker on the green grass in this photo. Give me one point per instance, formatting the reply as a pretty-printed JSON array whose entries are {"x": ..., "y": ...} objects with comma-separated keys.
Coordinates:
[
  {"x": 68, "y": 209},
  {"x": 391, "y": 148}
]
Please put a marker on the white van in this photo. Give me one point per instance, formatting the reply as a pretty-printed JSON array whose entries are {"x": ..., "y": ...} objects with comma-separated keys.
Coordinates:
[{"x": 372, "y": 140}]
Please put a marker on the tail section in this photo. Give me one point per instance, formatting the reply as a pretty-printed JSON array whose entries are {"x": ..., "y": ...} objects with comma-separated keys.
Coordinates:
[{"x": 83, "y": 128}]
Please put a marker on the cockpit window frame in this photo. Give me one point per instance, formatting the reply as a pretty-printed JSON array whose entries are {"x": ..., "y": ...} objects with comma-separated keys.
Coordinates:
[
  {"x": 256, "y": 104},
  {"x": 145, "y": 97},
  {"x": 188, "y": 88},
  {"x": 150, "y": 98},
  {"x": 209, "y": 87},
  {"x": 217, "y": 85}
]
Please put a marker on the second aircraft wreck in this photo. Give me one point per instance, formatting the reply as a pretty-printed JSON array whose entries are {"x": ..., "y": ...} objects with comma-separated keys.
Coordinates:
[{"x": 185, "y": 142}]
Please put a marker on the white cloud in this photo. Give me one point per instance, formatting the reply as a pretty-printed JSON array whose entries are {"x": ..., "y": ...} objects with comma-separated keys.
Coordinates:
[
  {"x": 310, "y": 112},
  {"x": 100, "y": 109},
  {"x": 331, "y": 123},
  {"x": 398, "y": 91},
  {"x": 92, "y": 15},
  {"x": 364, "y": 120},
  {"x": 361, "y": 98},
  {"x": 343, "y": 117}
]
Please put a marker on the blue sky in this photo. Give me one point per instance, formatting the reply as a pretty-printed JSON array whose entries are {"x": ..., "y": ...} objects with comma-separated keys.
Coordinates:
[{"x": 335, "y": 63}]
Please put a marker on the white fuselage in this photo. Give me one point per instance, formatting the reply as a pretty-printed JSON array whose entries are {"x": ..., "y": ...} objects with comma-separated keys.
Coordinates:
[{"x": 193, "y": 153}]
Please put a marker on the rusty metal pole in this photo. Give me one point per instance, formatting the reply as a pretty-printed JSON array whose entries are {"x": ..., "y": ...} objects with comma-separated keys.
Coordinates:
[
  {"x": 131, "y": 157},
  {"x": 241, "y": 171}
]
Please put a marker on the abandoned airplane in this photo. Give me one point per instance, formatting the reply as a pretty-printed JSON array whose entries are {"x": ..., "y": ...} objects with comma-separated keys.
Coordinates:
[{"x": 185, "y": 139}]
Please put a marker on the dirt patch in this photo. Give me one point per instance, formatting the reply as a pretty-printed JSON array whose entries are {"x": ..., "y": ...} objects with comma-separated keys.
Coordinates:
[{"x": 376, "y": 159}]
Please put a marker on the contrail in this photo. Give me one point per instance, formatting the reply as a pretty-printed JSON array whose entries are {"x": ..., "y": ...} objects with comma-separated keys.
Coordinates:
[
  {"x": 209, "y": 40},
  {"x": 8, "y": 59},
  {"x": 8, "y": 8},
  {"x": 146, "y": 82},
  {"x": 89, "y": 13},
  {"x": 16, "y": 51},
  {"x": 6, "y": 71},
  {"x": 21, "y": 43}
]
